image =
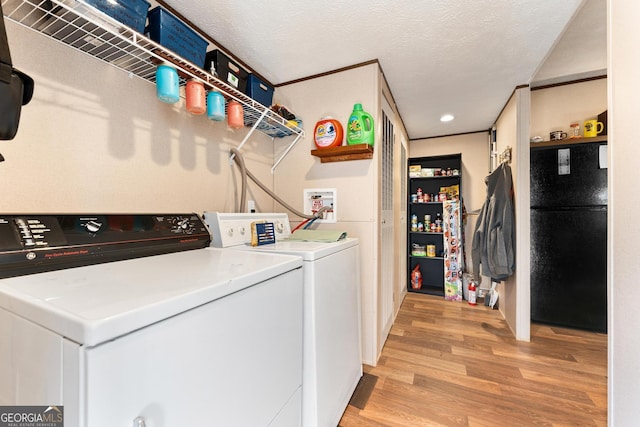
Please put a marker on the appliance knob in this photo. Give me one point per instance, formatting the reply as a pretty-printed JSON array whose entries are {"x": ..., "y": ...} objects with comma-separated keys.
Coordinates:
[
  {"x": 242, "y": 230},
  {"x": 279, "y": 227},
  {"x": 139, "y": 422},
  {"x": 230, "y": 232},
  {"x": 93, "y": 226}
]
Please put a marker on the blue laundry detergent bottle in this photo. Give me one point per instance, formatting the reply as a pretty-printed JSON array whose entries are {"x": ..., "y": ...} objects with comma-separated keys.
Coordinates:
[{"x": 360, "y": 127}]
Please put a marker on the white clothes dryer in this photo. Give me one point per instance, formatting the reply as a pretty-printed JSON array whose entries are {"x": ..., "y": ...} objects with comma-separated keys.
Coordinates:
[
  {"x": 332, "y": 361},
  {"x": 197, "y": 337}
]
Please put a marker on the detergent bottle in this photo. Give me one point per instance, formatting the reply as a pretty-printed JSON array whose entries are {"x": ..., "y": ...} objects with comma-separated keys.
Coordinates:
[
  {"x": 416, "y": 277},
  {"x": 328, "y": 133},
  {"x": 360, "y": 127}
]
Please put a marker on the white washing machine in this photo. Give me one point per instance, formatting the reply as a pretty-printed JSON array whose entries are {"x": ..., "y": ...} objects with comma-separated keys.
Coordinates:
[
  {"x": 197, "y": 337},
  {"x": 332, "y": 361}
]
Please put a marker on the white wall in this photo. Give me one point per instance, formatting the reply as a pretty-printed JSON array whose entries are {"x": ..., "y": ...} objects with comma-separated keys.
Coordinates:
[
  {"x": 512, "y": 130},
  {"x": 400, "y": 206},
  {"x": 555, "y": 108},
  {"x": 356, "y": 181},
  {"x": 624, "y": 205},
  {"x": 95, "y": 140}
]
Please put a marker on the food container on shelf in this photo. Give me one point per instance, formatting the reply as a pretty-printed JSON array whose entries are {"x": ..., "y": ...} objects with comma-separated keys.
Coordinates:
[
  {"x": 431, "y": 251},
  {"x": 414, "y": 171},
  {"x": 418, "y": 250}
]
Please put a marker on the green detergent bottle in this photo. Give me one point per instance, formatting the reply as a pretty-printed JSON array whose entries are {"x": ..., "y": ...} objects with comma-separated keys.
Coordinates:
[{"x": 360, "y": 127}]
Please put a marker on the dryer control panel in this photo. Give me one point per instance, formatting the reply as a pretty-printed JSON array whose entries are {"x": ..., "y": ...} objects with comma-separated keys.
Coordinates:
[
  {"x": 36, "y": 243},
  {"x": 234, "y": 229}
]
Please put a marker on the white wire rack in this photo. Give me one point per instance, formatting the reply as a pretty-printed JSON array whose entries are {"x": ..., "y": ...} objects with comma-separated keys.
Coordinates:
[{"x": 88, "y": 30}]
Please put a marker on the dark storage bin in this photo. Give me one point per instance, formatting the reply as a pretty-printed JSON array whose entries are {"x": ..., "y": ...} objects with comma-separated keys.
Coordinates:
[
  {"x": 228, "y": 71},
  {"x": 602, "y": 117},
  {"x": 176, "y": 36},
  {"x": 259, "y": 90},
  {"x": 132, "y": 13},
  {"x": 81, "y": 33}
]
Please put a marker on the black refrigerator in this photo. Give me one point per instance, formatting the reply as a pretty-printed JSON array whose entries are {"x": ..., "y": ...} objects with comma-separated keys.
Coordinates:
[{"x": 569, "y": 235}]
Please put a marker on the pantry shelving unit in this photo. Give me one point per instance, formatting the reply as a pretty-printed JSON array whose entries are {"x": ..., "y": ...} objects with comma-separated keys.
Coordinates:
[
  {"x": 436, "y": 270},
  {"x": 94, "y": 33}
]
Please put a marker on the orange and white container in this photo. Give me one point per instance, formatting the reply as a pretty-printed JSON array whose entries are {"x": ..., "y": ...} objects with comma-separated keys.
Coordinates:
[
  {"x": 328, "y": 133},
  {"x": 195, "y": 96},
  {"x": 235, "y": 115}
]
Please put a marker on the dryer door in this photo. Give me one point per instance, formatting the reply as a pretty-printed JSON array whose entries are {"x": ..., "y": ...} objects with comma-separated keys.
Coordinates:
[{"x": 234, "y": 361}]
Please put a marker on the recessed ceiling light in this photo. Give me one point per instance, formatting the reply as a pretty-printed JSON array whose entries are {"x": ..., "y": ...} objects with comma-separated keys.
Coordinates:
[{"x": 446, "y": 118}]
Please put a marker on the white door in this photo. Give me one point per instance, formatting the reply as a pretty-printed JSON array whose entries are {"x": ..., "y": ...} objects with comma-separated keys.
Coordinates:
[{"x": 387, "y": 253}]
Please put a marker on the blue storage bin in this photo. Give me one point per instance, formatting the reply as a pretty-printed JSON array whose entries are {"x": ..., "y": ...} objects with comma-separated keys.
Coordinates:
[
  {"x": 132, "y": 13},
  {"x": 170, "y": 32},
  {"x": 259, "y": 90}
]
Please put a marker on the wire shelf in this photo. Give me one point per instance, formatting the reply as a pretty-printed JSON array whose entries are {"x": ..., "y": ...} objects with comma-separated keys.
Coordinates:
[{"x": 88, "y": 30}]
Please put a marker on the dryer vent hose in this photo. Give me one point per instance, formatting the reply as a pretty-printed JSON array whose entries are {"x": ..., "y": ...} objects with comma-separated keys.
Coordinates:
[{"x": 243, "y": 197}]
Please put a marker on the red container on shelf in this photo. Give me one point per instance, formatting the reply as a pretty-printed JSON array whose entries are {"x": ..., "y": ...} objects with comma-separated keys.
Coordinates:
[
  {"x": 195, "y": 96},
  {"x": 328, "y": 133},
  {"x": 235, "y": 115}
]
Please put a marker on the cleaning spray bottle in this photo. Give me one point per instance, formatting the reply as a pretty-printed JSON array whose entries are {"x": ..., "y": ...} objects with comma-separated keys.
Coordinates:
[
  {"x": 416, "y": 278},
  {"x": 473, "y": 293},
  {"x": 360, "y": 127}
]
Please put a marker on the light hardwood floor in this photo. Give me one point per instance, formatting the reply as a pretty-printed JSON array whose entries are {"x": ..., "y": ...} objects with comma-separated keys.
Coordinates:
[{"x": 452, "y": 364}]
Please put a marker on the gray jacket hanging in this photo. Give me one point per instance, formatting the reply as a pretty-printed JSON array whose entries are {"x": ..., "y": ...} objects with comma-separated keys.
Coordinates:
[{"x": 494, "y": 236}]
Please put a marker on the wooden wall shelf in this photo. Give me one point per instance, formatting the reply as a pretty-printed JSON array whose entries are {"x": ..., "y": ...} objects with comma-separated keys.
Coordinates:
[
  {"x": 344, "y": 153},
  {"x": 599, "y": 138}
]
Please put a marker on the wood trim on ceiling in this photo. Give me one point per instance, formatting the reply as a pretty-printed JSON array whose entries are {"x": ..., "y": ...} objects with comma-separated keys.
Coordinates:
[
  {"x": 449, "y": 135},
  {"x": 351, "y": 67},
  {"x": 570, "y": 82},
  {"x": 328, "y": 73}
]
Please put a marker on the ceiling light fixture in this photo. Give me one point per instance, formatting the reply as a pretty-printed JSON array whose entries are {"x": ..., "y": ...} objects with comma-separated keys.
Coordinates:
[{"x": 446, "y": 118}]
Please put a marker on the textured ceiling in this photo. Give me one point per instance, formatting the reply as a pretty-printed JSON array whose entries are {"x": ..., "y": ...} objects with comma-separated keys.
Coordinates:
[{"x": 439, "y": 56}]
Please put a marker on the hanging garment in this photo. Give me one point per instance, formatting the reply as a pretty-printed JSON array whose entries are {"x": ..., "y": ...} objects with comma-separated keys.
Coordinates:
[
  {"x": 16, "y": 88},
  {"x": 493, "y": 243}
]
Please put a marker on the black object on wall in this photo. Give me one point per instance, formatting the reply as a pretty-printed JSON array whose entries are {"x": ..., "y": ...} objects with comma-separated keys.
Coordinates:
[{"x": 569, "y": 236}]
